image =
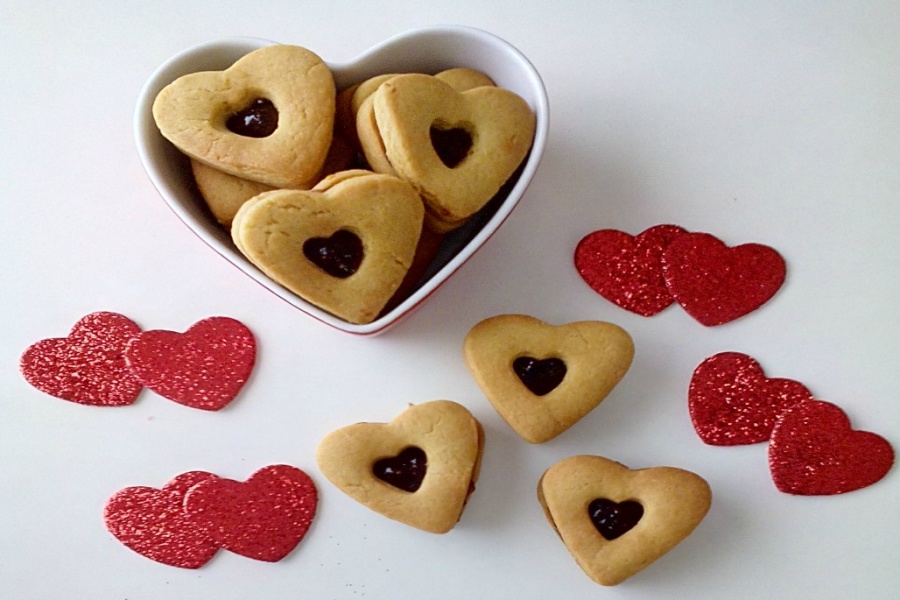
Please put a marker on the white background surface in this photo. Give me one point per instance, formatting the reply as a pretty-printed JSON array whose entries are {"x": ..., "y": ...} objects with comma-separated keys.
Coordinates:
[{"x": 753, "y": 122}]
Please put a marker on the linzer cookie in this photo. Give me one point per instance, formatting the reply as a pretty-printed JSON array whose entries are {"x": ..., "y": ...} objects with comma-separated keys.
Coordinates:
[
  {"x": 418, "y": 469},
  {"x": 616, "y": 521},
  {"x": 344, "y": 246},
  {"x": 360, "y": 108},
  {"x": 456, "y": 148},
  {"x": 542, "y": 378},
  {"x": 268, "y": 118},
  {"x": 224, "y": 194}
]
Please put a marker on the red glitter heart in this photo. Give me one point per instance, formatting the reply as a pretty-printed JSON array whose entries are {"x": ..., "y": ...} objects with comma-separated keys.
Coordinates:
[
  {"x": 88, "y": 366},
  {"x": 731, "y": 401},
  {"x": 625, "y": 269},
  {"x": 154, "y": 524},
  {"x": 813, "y": 451},
  {"x": 204, "y": 367},
  {"x": 263, "y": 518},
  {"x": 715, "y": 283}
]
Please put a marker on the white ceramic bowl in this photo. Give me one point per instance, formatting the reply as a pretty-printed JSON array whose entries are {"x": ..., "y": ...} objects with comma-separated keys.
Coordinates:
[{"x": 427, "y": 50}]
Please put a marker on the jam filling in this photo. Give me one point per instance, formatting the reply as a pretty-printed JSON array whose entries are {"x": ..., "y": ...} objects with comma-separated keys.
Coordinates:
[
  {"x": 259, "y": 119},
  {"x": 614, "y": 519},
  {"x": 404, "y": 471},
  {"x": 451, "y": 145},
  {"x": 540, "y": 376},
  {"x": 339, "y": 255}
]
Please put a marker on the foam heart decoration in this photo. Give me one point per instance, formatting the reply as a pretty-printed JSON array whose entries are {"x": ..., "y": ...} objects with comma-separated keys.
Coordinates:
[
  {"x": 626, "y": 269},
  {"x": 595, "y": 357},
  {"x": 426, "y": 50},
  {"x": 154, "y": 524},
  {"x": 450, "y": 439},
  {"x": 195, "y": 112},
  {"x": 732, "y": 402},
  {"x": 205, "y": 367},
  {"x": 88, "y": 366},
  {"x": 716, "y": 283},
  {"x": 815, "y": 451},
  {"x": 291, "y": 236},
  {"x": 263, "y": 518},
  {"x": 579, "y": 491}
]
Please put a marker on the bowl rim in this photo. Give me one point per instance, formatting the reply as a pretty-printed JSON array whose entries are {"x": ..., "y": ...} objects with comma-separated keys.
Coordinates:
[{"x": 146, "y": 132}]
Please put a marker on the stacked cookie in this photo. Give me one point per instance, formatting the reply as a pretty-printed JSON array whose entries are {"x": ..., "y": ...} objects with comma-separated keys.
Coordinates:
[{"x": 342, "y": 198}]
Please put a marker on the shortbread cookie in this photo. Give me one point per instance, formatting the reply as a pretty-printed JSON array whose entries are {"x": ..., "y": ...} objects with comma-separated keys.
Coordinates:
[
  {"x": 418, "y": 469},
  {"x": 542, "y": 378},
  {"x": 456, "y": 148},
  {"x": 344, "y": 246},
  {"x": 267, "y": 118},
  {"x": 350, "y": 100},
  {"x": 616, "y": 521},
  {"x": 224, "y": 194},
  {"x": 429, "y": 245}
]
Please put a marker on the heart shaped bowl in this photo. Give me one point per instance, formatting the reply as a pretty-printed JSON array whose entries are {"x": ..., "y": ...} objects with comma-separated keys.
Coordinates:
[{"x": 427, "y": 50}]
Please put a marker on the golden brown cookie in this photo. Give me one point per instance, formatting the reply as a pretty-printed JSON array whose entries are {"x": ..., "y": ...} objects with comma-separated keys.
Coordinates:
[
  {"x": 456, "y": 148},
  {"x": 429, "y": 245},
  {"x": 418, "y": 469},
  {"x": 344, "y": 246},
  {"x": 351, "y": 99},
  {"x": 542, "y": 378},
  {"x": 616, "y": 521},
  {"x": 224, "y": 194},
  {"x": 267, "y": 118}
]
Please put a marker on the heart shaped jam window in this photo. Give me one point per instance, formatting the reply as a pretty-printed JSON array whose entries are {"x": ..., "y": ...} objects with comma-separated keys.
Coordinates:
[
  {"x": 404, "y": 471},
  {"x": 339, "y": 255},
  {"x": 614, "y": 519},
  {"x": 540, "y": 376},
  {"x": 452, "y": 144},
  {"x": 258, "y": 119}
]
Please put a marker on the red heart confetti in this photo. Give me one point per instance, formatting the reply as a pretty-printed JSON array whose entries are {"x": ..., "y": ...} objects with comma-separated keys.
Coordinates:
[
  {"x": 716, "y": 283},
  {"x": 204, "y": 367},
  {"x": 263, "y": 518},
  {"x": 88, "y": 366},
  {"x": 154, "y": 524},
  {"x": 814, "y": 451},
  {"x": 731, "y": 401},
  {"x": 625, "y": 269}
]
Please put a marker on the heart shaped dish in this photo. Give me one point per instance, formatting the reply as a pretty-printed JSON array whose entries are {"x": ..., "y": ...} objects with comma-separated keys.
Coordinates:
[{"x": 428, "y": 50}]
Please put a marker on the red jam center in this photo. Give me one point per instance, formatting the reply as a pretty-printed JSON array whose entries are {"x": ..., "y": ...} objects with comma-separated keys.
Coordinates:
[
  {"x": 614, "y": 519},
  {"x": 257, "y": 120},
  {"x": 540, "y": 376},
  {"x": 339, "y": 255},
  {"x": 404, "y": 471}
]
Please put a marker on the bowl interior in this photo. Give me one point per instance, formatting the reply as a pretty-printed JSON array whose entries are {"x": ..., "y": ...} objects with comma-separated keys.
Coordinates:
[{"x": 425, "y": 50}]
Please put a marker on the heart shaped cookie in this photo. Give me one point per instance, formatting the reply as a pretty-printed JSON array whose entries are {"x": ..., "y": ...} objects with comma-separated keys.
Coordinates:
[
  {"x": 456, "y": 148},
  {"x": 615, "y": 521},
  {"x": 356, "y": 109},
  {"x": 205, "y": 367},
  {"x": 418, "y": 469},
  {"x": 87, "y": 366},
  {"x": 344, "y": 246},
  {"x": 154, "y": 524},
  {"x": 715, "y": 283},
  {"x": 814, "y": 451},
  {"x": 263, "y": 518},
  {"x": 267, "y": 118},
  {"x": 542, "y": 378},
  {"x": 732, "y": 402}
]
